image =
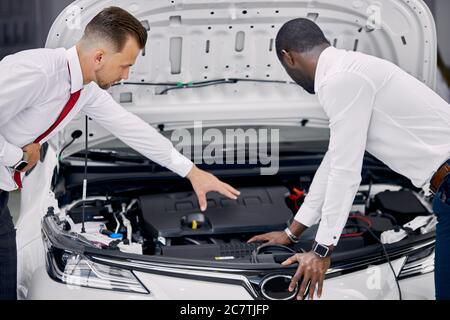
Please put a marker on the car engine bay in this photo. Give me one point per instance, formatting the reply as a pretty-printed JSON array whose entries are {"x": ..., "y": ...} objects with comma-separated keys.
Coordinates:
[{"x": 172, "y": 225}]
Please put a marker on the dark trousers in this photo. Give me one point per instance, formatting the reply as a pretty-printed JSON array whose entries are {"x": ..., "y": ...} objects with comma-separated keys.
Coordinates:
[
  {"x": 8, "y": 251},
  {"x": 441, "y": 207}
]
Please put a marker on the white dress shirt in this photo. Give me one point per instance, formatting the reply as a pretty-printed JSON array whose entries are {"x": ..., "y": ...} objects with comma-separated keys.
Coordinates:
[
  {"x": 372, "y": 105},
  {"x": 35, "y": 85}
]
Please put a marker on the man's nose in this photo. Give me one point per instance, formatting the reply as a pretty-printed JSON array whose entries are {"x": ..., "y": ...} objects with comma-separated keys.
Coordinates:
[{"x": 126, "y": 74}]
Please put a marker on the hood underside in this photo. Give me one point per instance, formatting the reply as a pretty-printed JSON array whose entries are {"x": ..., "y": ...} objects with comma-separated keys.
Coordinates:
[{"x": 199, "y": 40}]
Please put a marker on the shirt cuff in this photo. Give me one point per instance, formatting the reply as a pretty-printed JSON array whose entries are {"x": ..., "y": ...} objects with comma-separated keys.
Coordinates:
[
  {"x": 328, "y": 236},
  {"x": 11, "y": 154},
  {"x": 307, "y": 216},
  {"x": 179, "y": 163}
]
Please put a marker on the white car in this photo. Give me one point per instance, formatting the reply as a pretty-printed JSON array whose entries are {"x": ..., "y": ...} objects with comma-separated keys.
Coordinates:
[{"x": 213, "y": 63}]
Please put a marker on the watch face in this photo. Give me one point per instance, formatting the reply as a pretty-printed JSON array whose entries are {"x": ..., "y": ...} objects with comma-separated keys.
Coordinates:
[
  {"x": 321, "y": 250},
  {"x": 21, "y": 165}
]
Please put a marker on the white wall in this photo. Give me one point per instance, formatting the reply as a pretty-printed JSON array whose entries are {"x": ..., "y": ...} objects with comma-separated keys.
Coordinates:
[
  {"x": 50, "y": 9},
  {"x": 442, "y": 18},
  {"x": 441, "y": 13}
]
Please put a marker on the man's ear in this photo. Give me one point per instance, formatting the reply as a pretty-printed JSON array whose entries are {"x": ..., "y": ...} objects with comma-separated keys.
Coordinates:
[
  {"x": 288, "y": 59},
  {"x": 99, "y": 57}
]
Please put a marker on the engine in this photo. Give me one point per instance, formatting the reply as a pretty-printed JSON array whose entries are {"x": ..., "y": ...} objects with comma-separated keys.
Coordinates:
[{"x": 172, "y": 224}]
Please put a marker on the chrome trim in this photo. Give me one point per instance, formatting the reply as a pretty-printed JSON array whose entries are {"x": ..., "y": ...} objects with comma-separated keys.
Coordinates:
[
  {"x": 419, "y": 267},
  {"x": 216, "y": 273},
  {"x": 145, "y": 264},
  {"x": 176, "y": 270},
  {"x": 347, "y": 268},
  {"x": 263, "y": 283}
]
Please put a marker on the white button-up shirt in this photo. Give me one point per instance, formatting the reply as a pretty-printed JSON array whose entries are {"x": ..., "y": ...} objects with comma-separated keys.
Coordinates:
[
  {"x": 372, "y": 105},
  {"x": 35, "y": 85}
]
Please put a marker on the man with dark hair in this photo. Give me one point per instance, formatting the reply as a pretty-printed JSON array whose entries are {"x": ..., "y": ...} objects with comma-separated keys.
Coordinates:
[
  {"x": 372, "y": 105},
  {"x": 300, "y": 35},
  {"x": 42, "y": 90}
]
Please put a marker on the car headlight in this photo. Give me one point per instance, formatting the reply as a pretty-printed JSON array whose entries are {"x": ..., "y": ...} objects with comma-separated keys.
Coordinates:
[
  {"x": 77, "y": 270},
  {"x": 420, "y": 262}
]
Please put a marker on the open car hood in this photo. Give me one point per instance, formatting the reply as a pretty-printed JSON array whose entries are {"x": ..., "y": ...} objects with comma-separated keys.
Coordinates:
[{"x": 202, "y": 40}]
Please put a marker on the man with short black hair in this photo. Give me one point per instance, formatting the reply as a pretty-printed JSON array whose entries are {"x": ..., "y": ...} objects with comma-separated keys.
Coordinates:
[
  {"x": 42, "y": 90},
  {"x": 372, "y": 105}
]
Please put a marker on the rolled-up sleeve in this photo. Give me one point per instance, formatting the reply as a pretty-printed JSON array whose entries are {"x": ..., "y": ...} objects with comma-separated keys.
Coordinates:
[
  {"x": 135, "y": 132},
  {"x": 348, "y": 101}
]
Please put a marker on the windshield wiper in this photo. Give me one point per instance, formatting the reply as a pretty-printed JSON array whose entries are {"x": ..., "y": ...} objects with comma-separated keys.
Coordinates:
[{"x": 201, "y": 84}]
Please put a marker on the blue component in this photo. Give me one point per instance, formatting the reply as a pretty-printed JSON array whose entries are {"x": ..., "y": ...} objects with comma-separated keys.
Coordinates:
[{"x": 115, "y": 236}]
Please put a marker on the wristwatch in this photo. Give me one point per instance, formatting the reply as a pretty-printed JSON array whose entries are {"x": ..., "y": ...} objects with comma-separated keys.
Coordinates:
[
  {"x": 321, "y": 250},
  {"x": 291, "y": 236},
  {"x": 22, "y": 163}
]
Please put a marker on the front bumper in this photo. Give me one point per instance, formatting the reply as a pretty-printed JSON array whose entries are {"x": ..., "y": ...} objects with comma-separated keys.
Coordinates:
[{"x": 354, "y": 286}]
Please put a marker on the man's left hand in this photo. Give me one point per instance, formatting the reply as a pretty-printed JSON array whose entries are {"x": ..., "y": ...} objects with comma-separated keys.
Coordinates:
[
  {"x": 204, "y": 182},
  {"x": 310, "y": 268}
]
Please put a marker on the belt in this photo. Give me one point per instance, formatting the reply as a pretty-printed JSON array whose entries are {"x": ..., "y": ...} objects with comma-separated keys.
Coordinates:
[{"x": 439, "y": 176}]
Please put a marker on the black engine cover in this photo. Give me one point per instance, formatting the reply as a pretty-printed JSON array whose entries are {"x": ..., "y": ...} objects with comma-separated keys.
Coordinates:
[{"x": 178, "y": 214}]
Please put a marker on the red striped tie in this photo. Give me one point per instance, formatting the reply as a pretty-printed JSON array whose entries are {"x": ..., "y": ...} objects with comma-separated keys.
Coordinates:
[{"x": 69, "y": 106}]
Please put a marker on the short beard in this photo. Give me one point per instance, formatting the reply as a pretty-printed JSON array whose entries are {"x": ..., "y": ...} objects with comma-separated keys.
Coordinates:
[
  {"x": 100, "y": 81},
  {"x": 105, "y": 86},
  {"x": 301, "y": 80},
  {"x": 308, "y": 86}
]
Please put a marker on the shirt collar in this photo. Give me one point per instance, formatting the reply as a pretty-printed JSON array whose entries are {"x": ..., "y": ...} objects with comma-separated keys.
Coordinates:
[
  {"x": 323, "y": 64},
  {"x": 76, "y": 75}
]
